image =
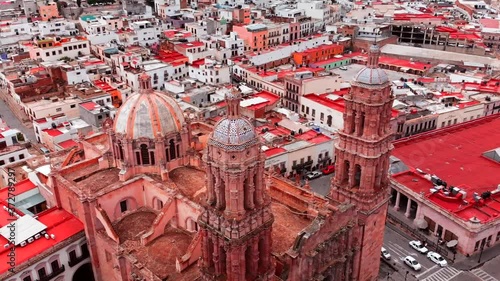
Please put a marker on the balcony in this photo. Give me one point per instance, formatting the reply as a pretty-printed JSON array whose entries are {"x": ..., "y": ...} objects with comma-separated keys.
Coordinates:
[
  {"x": 52, "y": 275},
  {"x": 74, "y": 261}
]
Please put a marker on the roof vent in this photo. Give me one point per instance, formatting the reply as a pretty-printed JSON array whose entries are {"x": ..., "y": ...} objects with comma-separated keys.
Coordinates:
[{"x": 474, "y": 220}]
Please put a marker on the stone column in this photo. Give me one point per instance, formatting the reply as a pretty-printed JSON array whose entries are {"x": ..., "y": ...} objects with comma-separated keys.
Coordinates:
[
  {"x": 250, "y": 190},
  {"x": 259, "y": 185},
  {"x": 216, "y": 256},
  {"x": 210, "y": 185},
  {"x": 408, "y": 207},
  {"x": 398, "y": 198}
]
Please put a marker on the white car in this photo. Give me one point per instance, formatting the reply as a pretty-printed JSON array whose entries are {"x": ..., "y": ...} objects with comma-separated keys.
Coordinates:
[
  {"x": 413, "y": 263},
  {"x": 437, "y": 258},
  {"x": 313, "y": 175},
  {"x": 385, "y": 254},
  {"x": 343, "y": 68},
  {"x": 417, "y": 245}
]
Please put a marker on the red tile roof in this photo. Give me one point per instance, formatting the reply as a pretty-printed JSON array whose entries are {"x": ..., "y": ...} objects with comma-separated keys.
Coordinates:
[
  {"x": 274, "y": 151},
  {"x": 68, "y": 144},
  {"x": 58, "y": 222},
  {"x": 454, "y": 154},
  {"x": 193, "y": 44},
  {"x": 90, "y": 105},
  {"x": 53, "y": 132}
]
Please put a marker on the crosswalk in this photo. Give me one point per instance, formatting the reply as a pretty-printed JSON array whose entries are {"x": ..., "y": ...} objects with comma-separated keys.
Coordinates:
[
  {"x": 444, "y": 274},
  {"x": 483, "y": 275}
]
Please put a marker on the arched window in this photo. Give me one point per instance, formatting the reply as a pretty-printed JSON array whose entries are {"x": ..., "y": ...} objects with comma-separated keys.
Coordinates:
[
  {"x": 357, "y": 175},
  {"x": 353, "y": 126},
  {"x": 172, "y": 150},
  {"x": 361, "y": 124},
  {"x": 345, "y": 176},
  {"x": 120, "y": 150},
  {"x": 144, "y": 154},
  {"x": 138, "y": 157},
  {"x": 152, "y": 156}
]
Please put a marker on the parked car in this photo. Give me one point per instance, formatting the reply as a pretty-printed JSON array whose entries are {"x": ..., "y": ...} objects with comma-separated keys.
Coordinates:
[
  {"x": 412, "y": 262},
  {"x": 312, "y": 175},
  {"x": 343, "y": 68},
  {"x": 385, "y": 254},
  {"x": 417, "y": 245},
  {"x": 437, "y": 258},
  {"x": 328, "y": 170}
]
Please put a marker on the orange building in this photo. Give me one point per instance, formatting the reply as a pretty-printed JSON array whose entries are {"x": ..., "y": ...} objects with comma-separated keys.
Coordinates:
[
  {"x": 255, "y": 36},
  {"x": 321, "y": 53},
  {"x": 242, "y": 15},
  {"x": 48, "y": 11}
]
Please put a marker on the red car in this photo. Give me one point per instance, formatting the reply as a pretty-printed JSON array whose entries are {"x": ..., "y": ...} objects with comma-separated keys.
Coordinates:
[{"x": 328, "y": 170}]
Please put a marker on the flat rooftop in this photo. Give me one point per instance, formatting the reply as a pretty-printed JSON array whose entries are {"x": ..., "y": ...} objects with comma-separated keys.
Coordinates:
[
  {"x": 190, "y": 182},
  {"x": 56, "y": 221},
  {"x": 456, "y": 156}
]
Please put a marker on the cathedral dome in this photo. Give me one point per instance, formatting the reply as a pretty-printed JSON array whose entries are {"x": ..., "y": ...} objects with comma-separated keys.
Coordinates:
[
  {"x": 372, "y": 74},
  {"x": 148, "y": 114},
  {"x": 233, "y": 131}
]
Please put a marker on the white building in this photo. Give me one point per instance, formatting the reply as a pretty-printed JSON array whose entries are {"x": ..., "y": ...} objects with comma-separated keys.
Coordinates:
[
  {"x": 59, "y": 26},
  {"x": 210, "y": 72},
  {"x": 316, "y": 10},
  {"x": 11, "y": 151},
  {"x": 53, "y": 49},
  {"x": 142, "y": 33},
  {"x": 47, "y": 122},
  {"x": 232, "y": 42}
]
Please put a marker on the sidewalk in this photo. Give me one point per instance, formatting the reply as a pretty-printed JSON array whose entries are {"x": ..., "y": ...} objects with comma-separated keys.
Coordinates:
[
  {"x": 469, "y": 263},
  {"x": 461, "y": 262}
]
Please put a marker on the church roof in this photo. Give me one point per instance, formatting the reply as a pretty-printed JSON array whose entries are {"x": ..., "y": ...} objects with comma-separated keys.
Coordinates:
[{"x": 149, "y": 114}]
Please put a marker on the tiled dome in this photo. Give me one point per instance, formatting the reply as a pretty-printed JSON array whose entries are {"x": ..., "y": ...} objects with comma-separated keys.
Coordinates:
[
  {"x": 371, "y": 76},
  {"x": 233, "y": 131},
  {"x": 148, "y": 114}
]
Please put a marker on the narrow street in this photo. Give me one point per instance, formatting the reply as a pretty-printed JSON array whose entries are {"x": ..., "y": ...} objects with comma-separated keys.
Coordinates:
[{"x": 12, "y": 121}]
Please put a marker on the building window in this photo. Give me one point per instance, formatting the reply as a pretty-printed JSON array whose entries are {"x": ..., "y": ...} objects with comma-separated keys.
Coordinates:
[
  {"x": 72, "y": 255},
  {"x": 2, "y": 162},
  {"x": 72, "y": 106},
  {"x": 21, "y": 156},
  {"x": 12, "y": 159},
  {"x": 476, "y": 247},
  {"x": 144, "y": 154},
  {"x": 42, "y": 273},
  {"x": 123, "y": 206},
  {"x": 313, "y": 113},
  {"x": 27, "y": 278},
  {"x": 54, "y": 265},
  {"x": 58, "y": 109}
]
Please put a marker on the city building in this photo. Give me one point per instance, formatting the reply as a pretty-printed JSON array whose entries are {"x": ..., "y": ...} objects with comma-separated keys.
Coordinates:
[
  {"x": 13, "y": 146},
  {"x": 434, "y": 184}
]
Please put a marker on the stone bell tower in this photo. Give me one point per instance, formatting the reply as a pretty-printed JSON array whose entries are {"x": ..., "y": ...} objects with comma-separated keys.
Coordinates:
[
  {"x": 362, "y": 160},
  {"x": 237, "y": 220}
]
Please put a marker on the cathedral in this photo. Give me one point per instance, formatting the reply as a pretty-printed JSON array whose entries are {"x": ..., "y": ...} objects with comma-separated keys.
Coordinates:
[{"x": 163, "y": 196}]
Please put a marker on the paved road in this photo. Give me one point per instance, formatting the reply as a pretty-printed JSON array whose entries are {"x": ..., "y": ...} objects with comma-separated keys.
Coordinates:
[
  {"x": 321, "y": 185},
  {"x": 13, "y": 122}
]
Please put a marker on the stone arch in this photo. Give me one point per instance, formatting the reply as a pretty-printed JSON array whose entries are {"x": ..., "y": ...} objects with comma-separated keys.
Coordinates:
[
  {"x": 157, "y": 203},
  {"x": 357, "y": 175},
  {"x": 131, "y": 204},
  {"x": 144, "y": 150},
  {"x": 172, "y": 154},
  {"x": 191, "y": 225},
  {"x": 52, "y": 259},
  {"x": 39, "y": 267},
  {"x": 84, "y": 273}
]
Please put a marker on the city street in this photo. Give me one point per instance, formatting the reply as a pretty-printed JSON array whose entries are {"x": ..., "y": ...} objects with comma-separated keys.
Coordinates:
[
  {"x": 399, "y": 248},
  {"x": 13, "y": 122},
  {"x": 321, "y": 185}
]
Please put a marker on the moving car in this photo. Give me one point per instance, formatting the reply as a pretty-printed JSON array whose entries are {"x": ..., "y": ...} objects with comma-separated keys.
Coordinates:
[
  {"x": 385, "y": 254},
  {"x": 343, "y": 68},
  {"x": 312, "y": 175},
  {"x": 417, "y": 245},
  {"x": 328, "y": 170},
  {"x": 412, "y": 262},
  {"x": 437, "y": 258}
]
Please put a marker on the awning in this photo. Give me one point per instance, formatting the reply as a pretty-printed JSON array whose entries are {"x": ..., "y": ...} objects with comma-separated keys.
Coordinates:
[
  {"x": 452, "y": 243},
  {"x": 421, "y": 223}
]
